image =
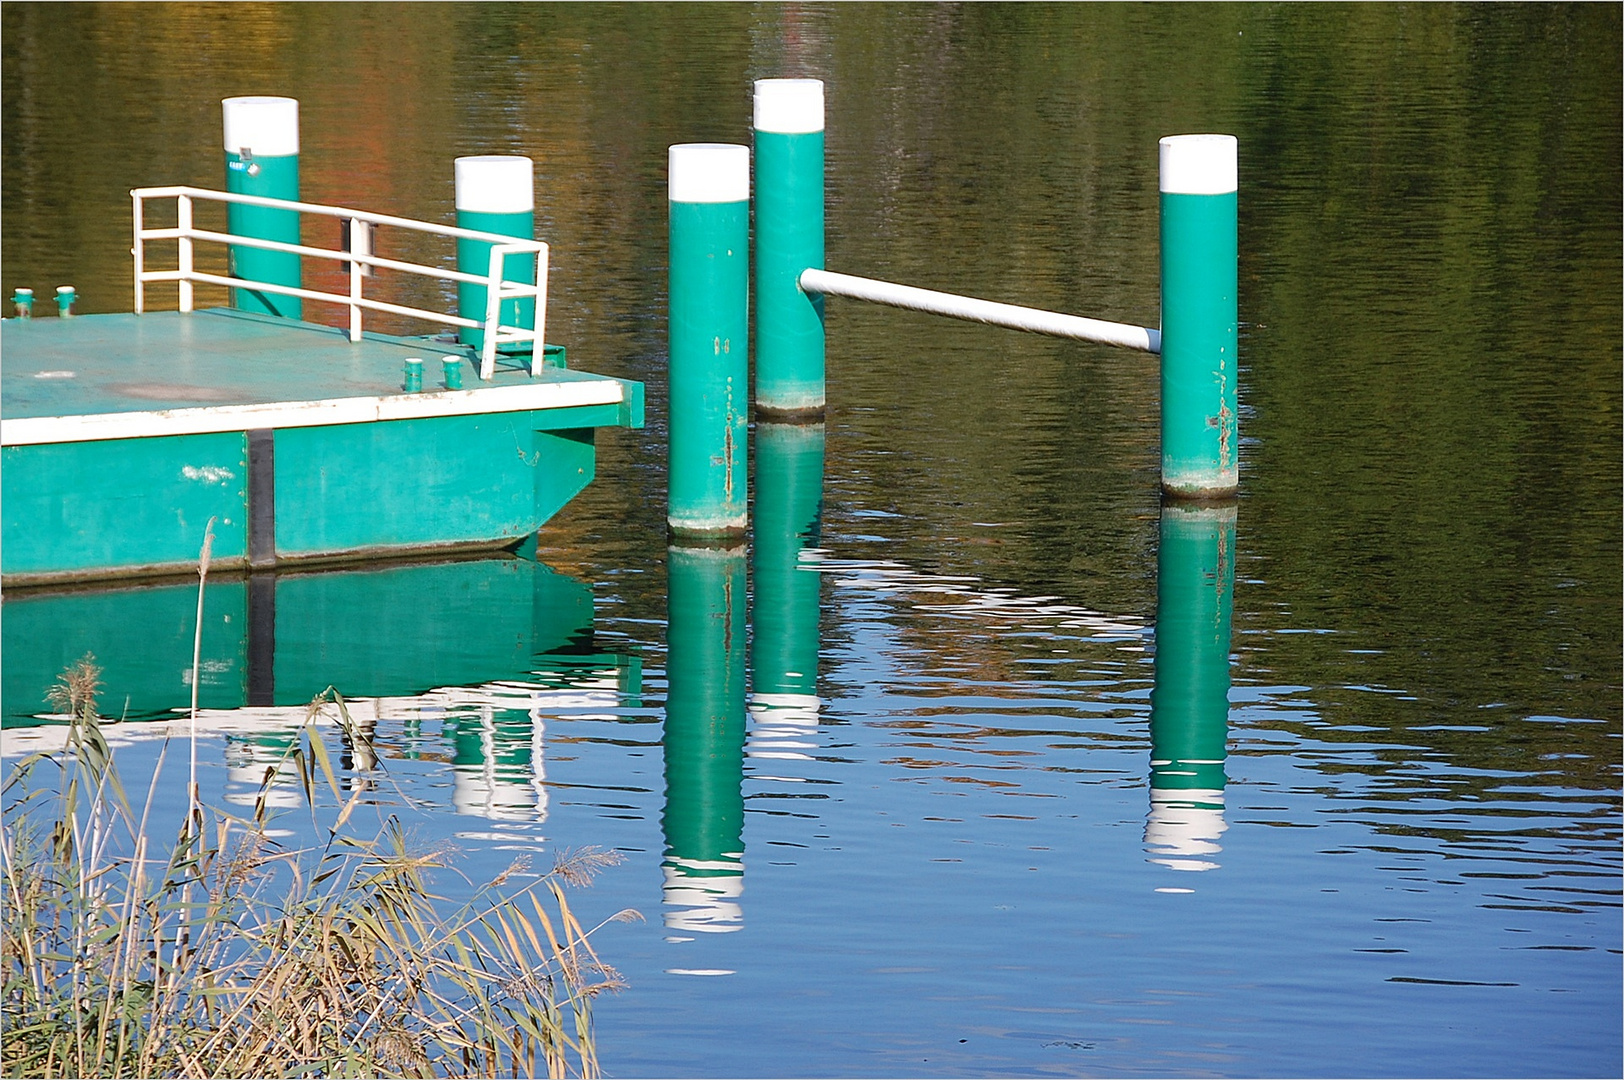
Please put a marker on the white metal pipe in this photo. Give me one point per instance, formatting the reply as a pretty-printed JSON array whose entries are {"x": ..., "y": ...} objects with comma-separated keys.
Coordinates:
[
  {"x": 183, "y": 225},
  {"x": 497, "y": 288},
  {"x": 177, "y": 190},
  {"x": 493, "y": 307},
  {"x": 138, "y": 252},
  {"x": 337, "y": 255},
  {"x": 204, "y": 278},
  {"x": 537, "y": 351},
  {"x": 1012, "y": 316}
]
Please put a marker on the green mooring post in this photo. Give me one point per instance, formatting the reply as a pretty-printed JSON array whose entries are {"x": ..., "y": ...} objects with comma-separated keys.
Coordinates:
[
  {"x": 709, "y": 308},
  {"x": 262, "y": 158},
  {"x": 1189, "y": 698},
  {"x": 496, "y": 193},
  {"x": 1199, "y": 316},
  {"x": 704, "y": 741},
  {"x": 789, "y": 239}
]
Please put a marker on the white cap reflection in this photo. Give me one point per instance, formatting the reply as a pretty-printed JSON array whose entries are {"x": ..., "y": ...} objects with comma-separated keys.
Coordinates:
[
  {"x": 1184, "y": 825},
  {"x": 783, "y": 726},
  {"x": 702, "y": 896}
]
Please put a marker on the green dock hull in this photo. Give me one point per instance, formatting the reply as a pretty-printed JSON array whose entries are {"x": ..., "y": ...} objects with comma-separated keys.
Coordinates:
[
  {"x": 125, "y": 436},
  {"x": 132, "y": 507}
]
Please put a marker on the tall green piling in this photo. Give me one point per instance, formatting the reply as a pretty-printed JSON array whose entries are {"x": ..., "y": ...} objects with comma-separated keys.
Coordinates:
[
  {"x": 1189, "y": 698},
  {"x": 703, "y": 739},
  {"x": 709, "y": 192},
  {"x": 262, "y": 158},
  {"x": 1200, "y": 279},
  {"x": 495, "y": 193},
  {"x": 789, "y": 239}
]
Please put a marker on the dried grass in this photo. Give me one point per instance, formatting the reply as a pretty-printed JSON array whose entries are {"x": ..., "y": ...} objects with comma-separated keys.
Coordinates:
[{"x": 224, "y": 954}]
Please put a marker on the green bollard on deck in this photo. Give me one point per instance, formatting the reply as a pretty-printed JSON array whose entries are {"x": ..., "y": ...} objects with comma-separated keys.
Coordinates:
[
  {"x": 262, "y": 158},
  {"x": 496, "y": 193},
  {"x": 703, "y": 739},
  {"x": 1189, "y": 699},
  {"x": 1200, "y": 277},
  {"x": 789, "y": 239},
  {"x": 709, "y": 309}
]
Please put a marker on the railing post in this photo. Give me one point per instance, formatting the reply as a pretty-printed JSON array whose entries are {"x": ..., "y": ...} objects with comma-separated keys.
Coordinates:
[
  {"x": 709, "y": 196},
  {"x": 359, "y": 236},
  {"x": 492, "y": 313},
  {"x": 138, "y": 252},
  {"x": 789, "y": 240},
  {"x": 1200, "y": 276},
  {"x": 495, "y": 193},
  {"x": 262, "y": 158},
  {"x": 183, "y": 220},
  {"x": 537, "y": 355}
]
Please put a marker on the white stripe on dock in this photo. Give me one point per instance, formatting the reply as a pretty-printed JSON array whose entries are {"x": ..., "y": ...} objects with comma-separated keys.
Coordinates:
[{"x": 32, "y": 431}]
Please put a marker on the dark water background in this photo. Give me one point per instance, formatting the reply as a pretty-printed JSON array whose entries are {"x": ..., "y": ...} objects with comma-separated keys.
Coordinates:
[{"x": 1420, "y": 873}]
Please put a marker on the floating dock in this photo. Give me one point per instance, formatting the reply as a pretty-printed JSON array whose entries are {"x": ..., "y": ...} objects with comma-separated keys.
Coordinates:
[{"x": 124, "y": 435}]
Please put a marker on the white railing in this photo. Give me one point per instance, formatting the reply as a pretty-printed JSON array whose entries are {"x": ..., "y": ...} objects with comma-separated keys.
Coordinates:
[{"x": 497, "y": 288}]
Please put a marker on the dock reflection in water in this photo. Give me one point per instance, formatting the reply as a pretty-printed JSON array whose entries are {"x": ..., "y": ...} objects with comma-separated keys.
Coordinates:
[
  {"x": 1189, "y": 702},
  {"x": 703, "y": 821},
  {"x": 484, "y": 650}
]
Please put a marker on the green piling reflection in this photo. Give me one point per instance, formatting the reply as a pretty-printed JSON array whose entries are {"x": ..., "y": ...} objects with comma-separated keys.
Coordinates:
[
  {"x": 704, "y": 741},
  {"x": 784, "y": 614},
  {"x": 1189, "y": 704}
]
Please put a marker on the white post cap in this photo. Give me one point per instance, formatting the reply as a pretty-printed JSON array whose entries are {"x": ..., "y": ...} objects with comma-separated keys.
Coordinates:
[
  {"x": 789, "y": 106},
  {"x": 266, "y": 126},
  {"x": 495, "y": 183},
  {"x": 709, "y": 173},
  {"x": 1199, "y": 164}
]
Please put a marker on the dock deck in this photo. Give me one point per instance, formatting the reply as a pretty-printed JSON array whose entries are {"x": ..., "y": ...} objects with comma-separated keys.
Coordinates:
[{"x": 124, "y": 434}]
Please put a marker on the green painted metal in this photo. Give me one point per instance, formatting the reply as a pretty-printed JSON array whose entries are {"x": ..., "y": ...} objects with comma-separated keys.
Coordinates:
[
  {"x": 139, "y": 505},
  {"x": 418, "y": 484},
  {"x": 403, "y": 630},
  {"x": 788, "y": 509},
  {"x": 709, "y": 305},
  {"x": 1189, "y": 701},
  {"x": 23, "y": 301},
  {"x": 412, "y": 376},
  {"x": 474, "y": 257},
  {"x": 171, "y": 360},
  {"x": 451, "y": 372},
  {"x": 141, "y": 638},
  {"x": 135, "y": 503},
  {"x": 703, "y": 821},
  {"x": 789, "y": 238},
  {"x": 66, "y": 297},
  {"x": 395, "y": 631},
  {"x": 272, "y": 178},
  {"x": 1199, "y": 360}
]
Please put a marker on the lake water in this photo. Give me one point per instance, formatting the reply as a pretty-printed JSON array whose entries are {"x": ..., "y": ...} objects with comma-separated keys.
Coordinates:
[{"x": 979, "y": 761}]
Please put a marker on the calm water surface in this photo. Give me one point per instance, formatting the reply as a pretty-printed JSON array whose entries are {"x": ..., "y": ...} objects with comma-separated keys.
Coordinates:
[{"x": 979, "y": 762}]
